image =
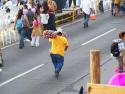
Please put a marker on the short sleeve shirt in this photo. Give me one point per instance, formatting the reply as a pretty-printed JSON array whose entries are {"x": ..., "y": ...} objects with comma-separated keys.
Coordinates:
[{"x": 58, "y": 45}]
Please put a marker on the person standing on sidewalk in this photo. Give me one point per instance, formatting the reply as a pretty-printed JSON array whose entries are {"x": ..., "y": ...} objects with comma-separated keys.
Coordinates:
[
  {"x": 58, "y": 47},
  {"x": 86, "y": 6}
]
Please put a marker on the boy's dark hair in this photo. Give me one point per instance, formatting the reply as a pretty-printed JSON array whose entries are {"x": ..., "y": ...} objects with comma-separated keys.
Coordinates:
[
  {"x": 121, "y": 34},
  {"x": 59, "y": 33}
]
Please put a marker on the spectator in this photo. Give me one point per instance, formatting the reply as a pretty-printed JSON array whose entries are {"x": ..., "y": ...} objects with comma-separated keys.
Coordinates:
[
  {"x": 116, "y": 6},
  {"x": 122, "y": 7},
  {"x": 44, "y": 16},
  {"x": 26, "y": 12},
  {"x": 30, "y": 4},
  {"x": 86, "y": 6},
  {"x": 101, "y": 6},
  {"x": 58, "y": 46},
  {"x": 36, "y": 32},
  {"x": 52, "y": 8},
  {"x": 112, "y": 6},
  {"x": 21, "y": 23}
]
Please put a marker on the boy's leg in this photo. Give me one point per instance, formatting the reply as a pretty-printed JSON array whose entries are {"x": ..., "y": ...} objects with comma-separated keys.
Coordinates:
[
  {"x": 60, "y": 63},
  {"x": 54, "y": 61}
]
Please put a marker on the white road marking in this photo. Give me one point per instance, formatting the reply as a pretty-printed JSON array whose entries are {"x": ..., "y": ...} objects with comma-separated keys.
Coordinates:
[
  {"x": 20, "y": 75},
  {"x": 98, "y": 36},
  {"x": 9, "y": 45}
]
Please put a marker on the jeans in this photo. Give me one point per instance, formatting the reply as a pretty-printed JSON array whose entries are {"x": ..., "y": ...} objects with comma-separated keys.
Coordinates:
[
  {"x": 112, "y": 7},
  {"x": 21, "y": 37},
  {"x": 29, "y": 33},
  {"x": 64, "y": 3},
  {"x": 58, "y": 61},
  {"x": 85, "y": 19}
]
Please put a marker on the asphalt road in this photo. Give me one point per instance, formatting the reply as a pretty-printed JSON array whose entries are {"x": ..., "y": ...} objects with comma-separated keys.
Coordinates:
[{"x": 30, "y": 71}]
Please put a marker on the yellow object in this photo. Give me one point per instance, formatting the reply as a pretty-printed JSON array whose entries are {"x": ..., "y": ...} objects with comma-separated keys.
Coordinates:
[
  {"x": 58, "y": 45},
  {"x": 116, "y": 1}
]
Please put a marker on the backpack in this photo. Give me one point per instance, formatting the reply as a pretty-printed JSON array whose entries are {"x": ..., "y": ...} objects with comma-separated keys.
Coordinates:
[
  {"x": 19, "y": 23},
  {"x": 115, "y": 49}
]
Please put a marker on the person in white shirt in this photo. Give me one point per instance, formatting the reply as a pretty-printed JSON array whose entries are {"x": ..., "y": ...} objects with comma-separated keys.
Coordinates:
[
  {"x": 44, "y": 16},
  {"x": 86, "y": 6}
]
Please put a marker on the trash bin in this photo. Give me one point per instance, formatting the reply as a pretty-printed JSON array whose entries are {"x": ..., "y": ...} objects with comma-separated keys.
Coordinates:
[{"x": 59, "y": 5}]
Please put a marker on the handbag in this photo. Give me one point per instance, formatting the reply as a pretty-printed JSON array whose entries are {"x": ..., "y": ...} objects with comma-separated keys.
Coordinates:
[{"x": 92, "y": 17}]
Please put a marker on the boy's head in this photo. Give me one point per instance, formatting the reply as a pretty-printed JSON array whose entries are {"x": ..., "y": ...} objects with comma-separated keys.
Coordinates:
[
  {"x": 59, "y": 31},
  {"x": 122, "y": 35}
]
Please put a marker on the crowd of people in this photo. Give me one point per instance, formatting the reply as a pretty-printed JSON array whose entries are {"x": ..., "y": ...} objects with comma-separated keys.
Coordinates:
[
  {"x": 118, "y": 6},
  {"x": 33, "y": 19}
]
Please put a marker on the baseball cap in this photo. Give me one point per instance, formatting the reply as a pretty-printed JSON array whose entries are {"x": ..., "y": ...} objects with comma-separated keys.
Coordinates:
[{"x": 59, "y": 30}]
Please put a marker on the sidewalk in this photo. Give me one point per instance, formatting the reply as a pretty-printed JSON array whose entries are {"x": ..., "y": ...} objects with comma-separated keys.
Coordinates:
[{"x": 107, "y": 71}]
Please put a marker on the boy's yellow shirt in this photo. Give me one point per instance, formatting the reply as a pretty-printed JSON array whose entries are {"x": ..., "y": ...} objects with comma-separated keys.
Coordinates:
[{"x": 58, "y": 45}]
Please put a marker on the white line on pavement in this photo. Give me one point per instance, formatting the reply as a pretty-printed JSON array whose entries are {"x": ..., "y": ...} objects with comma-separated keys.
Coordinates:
[
  {"x": 99, "y": 36},
  {"x": 20, "y": 75},
  {"x": 10, "y": 45}
]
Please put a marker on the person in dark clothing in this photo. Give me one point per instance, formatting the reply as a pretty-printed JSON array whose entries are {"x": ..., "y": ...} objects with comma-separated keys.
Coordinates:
[
  {"x": 52, "y": 8},
  {"x": 101, "y": 8}
]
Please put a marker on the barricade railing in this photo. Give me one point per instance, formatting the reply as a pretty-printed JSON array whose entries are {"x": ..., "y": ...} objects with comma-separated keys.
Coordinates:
[{"x": 70, "y": 13}]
